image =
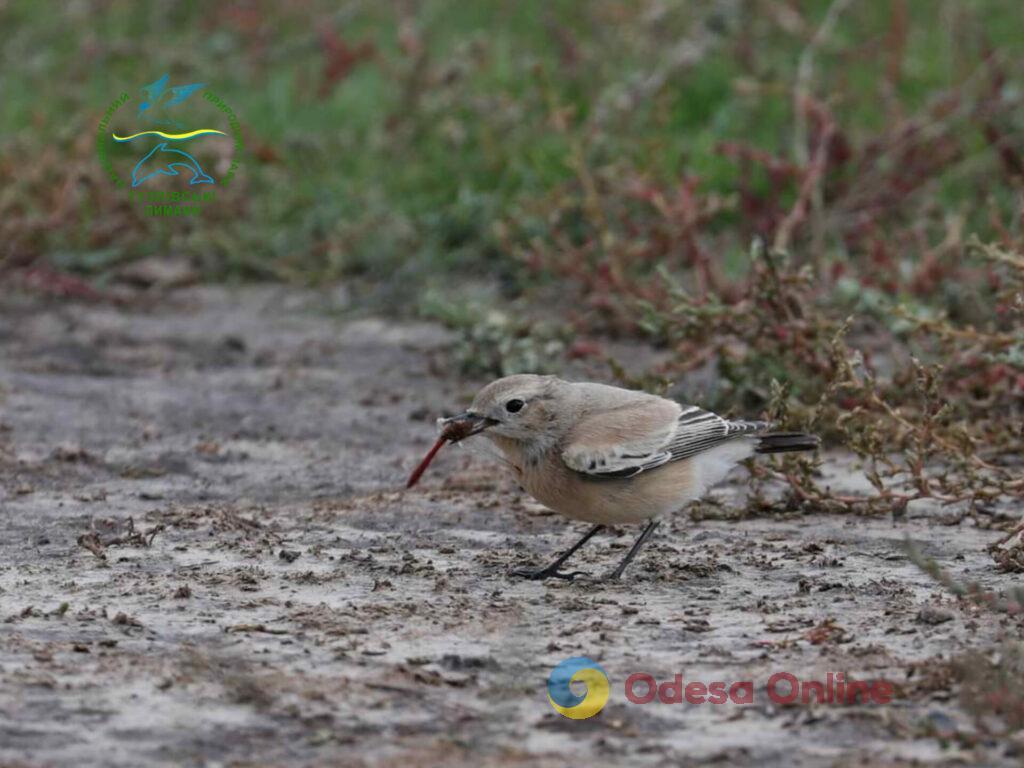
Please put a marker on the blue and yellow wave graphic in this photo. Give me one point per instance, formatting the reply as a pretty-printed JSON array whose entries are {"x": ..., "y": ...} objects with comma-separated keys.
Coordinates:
[
  {"x": 169, "y": 136},
  {"x": 582, "y": 669}
]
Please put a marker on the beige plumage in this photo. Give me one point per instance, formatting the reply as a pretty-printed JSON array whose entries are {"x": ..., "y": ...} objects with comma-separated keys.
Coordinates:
[{"x": 610, "y": 456}]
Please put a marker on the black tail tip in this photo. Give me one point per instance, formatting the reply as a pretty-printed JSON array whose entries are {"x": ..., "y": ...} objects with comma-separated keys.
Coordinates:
[{"x": 784, "y": 442}]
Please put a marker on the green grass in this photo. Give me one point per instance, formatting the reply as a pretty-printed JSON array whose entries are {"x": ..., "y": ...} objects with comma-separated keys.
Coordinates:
[{"x": 402, "y": 172}]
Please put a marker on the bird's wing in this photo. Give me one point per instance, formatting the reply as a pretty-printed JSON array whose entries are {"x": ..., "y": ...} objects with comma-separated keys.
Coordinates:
[
  {"x": 155, "y": 89},
  {"x": 181, "y": 92},
  {"x": 153, "y": 92},
  {"x": 700, "y": 430},
  {"x": 620, "y": 437},
  {"x": 690, "y": 431}
]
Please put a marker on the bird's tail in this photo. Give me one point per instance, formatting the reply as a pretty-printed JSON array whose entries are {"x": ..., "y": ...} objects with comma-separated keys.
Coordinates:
[{"x": 783, "y": 442}]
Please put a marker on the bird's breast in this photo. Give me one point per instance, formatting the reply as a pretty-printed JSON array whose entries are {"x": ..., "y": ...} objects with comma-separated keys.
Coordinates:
[{"x": 601, "y": 500}]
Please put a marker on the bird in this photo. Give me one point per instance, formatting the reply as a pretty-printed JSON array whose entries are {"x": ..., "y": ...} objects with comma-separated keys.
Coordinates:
[
  {"x": 611, "y": 456},
  {"x": 156, "y": 94}
]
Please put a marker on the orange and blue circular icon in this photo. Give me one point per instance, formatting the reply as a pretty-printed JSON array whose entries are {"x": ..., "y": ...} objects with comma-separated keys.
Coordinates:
[{"x": 572, "y": 705}]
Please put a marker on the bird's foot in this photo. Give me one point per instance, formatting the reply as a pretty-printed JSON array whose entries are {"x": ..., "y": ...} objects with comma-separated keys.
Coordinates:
[{"x": 537, "y": 574}]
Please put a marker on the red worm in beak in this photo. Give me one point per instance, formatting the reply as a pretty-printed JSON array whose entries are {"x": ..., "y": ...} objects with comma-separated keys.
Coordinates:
[
  {"x": 422, "y": 467},
  {"x": 456, "y": 429}
]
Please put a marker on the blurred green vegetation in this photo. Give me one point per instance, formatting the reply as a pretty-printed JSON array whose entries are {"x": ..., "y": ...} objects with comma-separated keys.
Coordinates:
[
  {"x": 821, "y": 201},
  {"x": 456, "y": 136}
]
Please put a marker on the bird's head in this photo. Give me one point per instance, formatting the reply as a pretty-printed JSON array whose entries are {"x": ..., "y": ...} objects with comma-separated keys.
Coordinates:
[{"x": 524, "y": 408}]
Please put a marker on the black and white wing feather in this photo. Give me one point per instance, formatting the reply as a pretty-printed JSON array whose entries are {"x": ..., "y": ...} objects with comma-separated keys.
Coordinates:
[
  {"x": 692, "y": 431},
  {"x": 699, "y": 430}
]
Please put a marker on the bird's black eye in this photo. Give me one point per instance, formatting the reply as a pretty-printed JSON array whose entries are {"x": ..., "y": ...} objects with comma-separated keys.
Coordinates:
[{"x": 514, "y": 405}]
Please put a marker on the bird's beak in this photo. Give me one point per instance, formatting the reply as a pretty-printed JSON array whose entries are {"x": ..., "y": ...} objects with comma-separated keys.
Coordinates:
[{"x": 464, "y": 425}]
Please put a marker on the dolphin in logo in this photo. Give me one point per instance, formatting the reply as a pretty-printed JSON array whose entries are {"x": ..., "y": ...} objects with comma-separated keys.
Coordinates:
[{"x": 164, "y": 161}]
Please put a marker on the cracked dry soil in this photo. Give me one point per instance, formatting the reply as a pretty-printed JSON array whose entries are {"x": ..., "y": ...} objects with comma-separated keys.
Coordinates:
[{"x": 208, "y": 559}]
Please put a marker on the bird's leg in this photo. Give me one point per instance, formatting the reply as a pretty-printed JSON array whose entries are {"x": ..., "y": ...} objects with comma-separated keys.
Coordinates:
[
  {"x": 552, "y": 570},
  {"x": 614, "y": 575}
]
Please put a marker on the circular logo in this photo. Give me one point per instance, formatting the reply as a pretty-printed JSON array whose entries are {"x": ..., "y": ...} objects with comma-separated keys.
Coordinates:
[
  {"x": 578, "y": 669},
  {"x": 169, "y": 151}
]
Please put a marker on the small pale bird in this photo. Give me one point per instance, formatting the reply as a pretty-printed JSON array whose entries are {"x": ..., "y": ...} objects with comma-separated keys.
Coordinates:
[{"x": 611, "y": 456}]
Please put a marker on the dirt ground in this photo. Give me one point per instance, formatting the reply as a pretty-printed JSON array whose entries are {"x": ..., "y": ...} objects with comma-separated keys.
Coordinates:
[{"x": 208, "y": 559}]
